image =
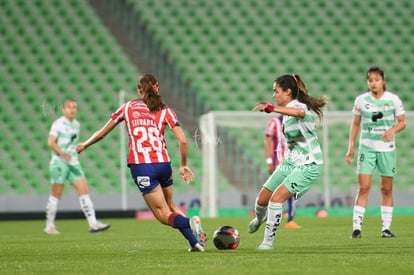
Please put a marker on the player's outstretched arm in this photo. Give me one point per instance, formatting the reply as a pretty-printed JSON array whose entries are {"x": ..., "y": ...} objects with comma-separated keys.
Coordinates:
[
  {"x": 97, "y": 136},
  {"x": 269, "y": 108}
]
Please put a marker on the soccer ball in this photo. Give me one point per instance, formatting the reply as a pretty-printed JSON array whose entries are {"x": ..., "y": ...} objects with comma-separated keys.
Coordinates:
[{"x": 226, "y": 237}]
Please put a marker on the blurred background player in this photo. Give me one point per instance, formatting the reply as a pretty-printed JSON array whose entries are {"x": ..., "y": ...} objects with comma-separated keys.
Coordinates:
[
  {"x": 64, "y": 166},
  {"x": 376, "y": 111},
  {"x": 300, "y": 168},
  {"x": 275, "y": 149},
  {"x": 148, "y": 159}
]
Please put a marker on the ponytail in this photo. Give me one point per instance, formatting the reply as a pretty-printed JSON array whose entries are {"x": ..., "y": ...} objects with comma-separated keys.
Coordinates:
[
  {"x": 300, "y": 92},
  {"x": 149, "y": 95}
]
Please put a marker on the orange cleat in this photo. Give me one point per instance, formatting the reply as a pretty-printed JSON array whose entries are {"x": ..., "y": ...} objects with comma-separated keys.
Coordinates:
[{"x": 292, "y": 225}]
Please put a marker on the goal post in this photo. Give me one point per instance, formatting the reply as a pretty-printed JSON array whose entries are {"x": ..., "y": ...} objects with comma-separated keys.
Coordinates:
[
  {"x": 333, "y": 132},
  {"x": 209, "y": 122}
]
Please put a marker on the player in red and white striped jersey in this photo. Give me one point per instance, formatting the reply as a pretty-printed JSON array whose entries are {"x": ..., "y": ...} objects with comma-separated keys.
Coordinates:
[
  {"x": 146, "y": 119},
  {"x": 147, "y": 144}
]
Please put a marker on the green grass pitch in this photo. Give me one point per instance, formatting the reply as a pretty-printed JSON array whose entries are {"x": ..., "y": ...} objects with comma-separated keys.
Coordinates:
[{"x": 130, "y": 246}]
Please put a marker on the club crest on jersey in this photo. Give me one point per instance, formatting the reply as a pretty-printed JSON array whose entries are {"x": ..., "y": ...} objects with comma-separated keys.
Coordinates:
[
  {"x": 386, "y": 107},
  {"x": 136, "y": 114}
]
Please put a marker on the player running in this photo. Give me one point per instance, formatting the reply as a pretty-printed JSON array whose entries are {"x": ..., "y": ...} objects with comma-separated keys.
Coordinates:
[
  {"x": 150, "y": 165},
  {"x": 303, "y": 163},
  {"x": 275, "y": 149}
]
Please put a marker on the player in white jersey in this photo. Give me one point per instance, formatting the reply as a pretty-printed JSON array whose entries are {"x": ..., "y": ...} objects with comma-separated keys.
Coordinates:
[
  {"x": 375, "y": 112},
  {"x": 275, "y": 149},
  {"x": 302, "y": 164},
  {"x": 65, "y": 166}
]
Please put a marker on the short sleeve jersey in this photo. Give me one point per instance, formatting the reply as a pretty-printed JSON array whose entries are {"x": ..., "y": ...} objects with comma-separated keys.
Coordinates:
[
  {"x": 275, "y": 131},
  {"x": 145, "y": 131},
  {"x": 304, "y": 147},
  {"x": 377, "y": 117},
  {"x": 67, "y": 133}
]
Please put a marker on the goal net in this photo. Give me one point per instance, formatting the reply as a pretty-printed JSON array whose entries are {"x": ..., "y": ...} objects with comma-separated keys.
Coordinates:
[{"x": 233, "y": 143}]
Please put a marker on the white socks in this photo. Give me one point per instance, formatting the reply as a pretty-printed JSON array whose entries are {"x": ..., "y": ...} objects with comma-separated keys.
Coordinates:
[
  {"x": 358, "y": 217},
  {"x": 260, "y": 212},
  {"x": 87, "y": 208},
  {"x": 85, "y": 203},
  {"x": 274, "y": 217},
  {"x": 51, "y": 209},
  {"x": 386, "y": 217}
]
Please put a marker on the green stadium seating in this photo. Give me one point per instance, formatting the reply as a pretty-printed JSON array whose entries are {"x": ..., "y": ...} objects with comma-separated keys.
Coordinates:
[
  {"x": 230, "y": 51},
  {"x": 55, "y": 51},
  {"x": 247, "y": 44}
]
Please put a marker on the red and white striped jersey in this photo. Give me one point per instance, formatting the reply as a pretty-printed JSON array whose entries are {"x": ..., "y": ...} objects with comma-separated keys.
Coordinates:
[
  {"x": 274, "y": 129},
  {"x": 145, "y": 131}
]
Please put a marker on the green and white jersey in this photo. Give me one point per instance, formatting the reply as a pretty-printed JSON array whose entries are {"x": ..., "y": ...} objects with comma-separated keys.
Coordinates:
[
  {"x": 301, "y": 136},
  {"x": 67, "y": 134},
  {"x": 377, "y": 117}
]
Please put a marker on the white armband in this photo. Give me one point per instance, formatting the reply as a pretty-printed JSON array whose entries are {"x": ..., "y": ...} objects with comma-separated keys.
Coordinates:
[{"x": 269, "y": 161}]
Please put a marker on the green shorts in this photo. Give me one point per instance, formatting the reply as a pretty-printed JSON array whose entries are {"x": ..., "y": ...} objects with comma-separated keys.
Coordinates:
[
  {"x": 368, "y": 160},
  {"x": 60, "y": 172},
  {"x": 298, "y": 179}
]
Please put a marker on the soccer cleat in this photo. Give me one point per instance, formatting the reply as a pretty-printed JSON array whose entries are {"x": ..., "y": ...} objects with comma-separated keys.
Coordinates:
[
  {"x": 99, "y": 227},
  {"x": 51, "y": 231},
  {"x": 195, "y": 224},
  {"x": 255, "y": 224},
  {"x": 292, "y": 225},
  {"x": 356, "y": 234},
  {"x": 196, "y": 248},
  {"x": 387, "y": 234},
  {"x": 264, "y": 247}
]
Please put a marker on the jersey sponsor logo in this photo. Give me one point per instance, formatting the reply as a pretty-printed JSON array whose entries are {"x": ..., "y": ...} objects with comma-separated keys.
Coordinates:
[
  {"x": 376, "y": 116},
  {"x": 143, "y": 181}
]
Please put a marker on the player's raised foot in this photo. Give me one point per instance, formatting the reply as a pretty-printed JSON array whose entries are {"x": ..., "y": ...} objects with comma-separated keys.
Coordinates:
[
  {"x": 254, "y": 225},
  {"x": 356, "y": 234},
  {"x": 97, "y": 227},
  {"x": 292, "y": 225},
  {"x": 195, "y": 224},
  {"x": 196, "y": 248},
  {"x": 387, "y": 234},
  {"x": 264, "y": 247},
  {"x": 51, "y": 231}
]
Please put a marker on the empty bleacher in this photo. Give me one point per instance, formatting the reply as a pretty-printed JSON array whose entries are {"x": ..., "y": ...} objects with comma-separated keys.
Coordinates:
[{"x": 229, "y": 51}]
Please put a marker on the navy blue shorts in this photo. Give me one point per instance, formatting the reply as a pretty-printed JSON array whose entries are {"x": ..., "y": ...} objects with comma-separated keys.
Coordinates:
[{"x": 148, "y": 176}]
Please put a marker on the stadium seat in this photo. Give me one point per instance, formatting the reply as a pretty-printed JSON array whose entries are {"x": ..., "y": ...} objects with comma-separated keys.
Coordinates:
[
  {"x": 230, "y": 52},
  {"x": 48, "y": 68}
]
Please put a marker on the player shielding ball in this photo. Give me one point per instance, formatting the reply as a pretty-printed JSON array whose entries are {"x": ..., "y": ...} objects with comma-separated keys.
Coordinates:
[
  {"x": 275, "y": 149},
  {"x": 148, "y": 159},
  {"x": 303, "y": 163}
]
